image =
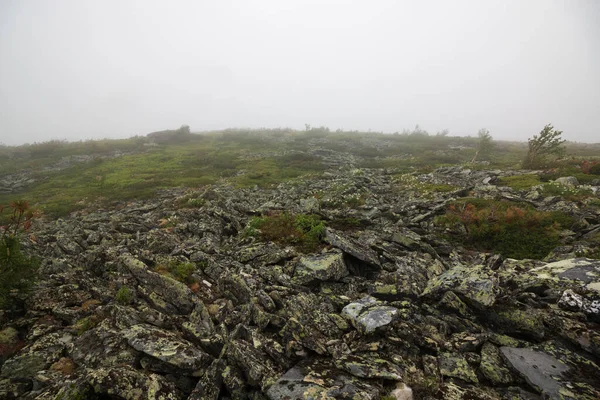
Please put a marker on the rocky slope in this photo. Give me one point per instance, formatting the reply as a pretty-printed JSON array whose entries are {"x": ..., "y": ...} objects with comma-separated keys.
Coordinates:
[{"x": 386, "y": 308}]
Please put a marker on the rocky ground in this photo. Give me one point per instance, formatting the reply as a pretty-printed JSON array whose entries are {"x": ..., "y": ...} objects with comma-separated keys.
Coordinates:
[{"x": 385, "y": 310}]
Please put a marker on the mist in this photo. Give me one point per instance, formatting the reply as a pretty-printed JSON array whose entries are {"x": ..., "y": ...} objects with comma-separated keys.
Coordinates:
[{"x": 79, "y": 70}]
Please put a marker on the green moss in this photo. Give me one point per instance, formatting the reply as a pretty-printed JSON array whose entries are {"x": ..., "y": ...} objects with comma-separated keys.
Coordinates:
[{"x": 520, "y": 182}]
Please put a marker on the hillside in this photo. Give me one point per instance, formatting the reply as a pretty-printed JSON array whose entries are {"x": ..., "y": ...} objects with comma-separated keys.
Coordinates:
[{"x": 277, "y": 264}]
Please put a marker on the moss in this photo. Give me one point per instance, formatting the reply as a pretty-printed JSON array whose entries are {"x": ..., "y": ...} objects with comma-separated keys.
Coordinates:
[{"x": 520, "y": 182}]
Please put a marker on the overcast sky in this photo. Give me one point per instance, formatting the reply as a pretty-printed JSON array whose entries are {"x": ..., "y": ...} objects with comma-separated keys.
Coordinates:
[{"x": 91, "y": 69}]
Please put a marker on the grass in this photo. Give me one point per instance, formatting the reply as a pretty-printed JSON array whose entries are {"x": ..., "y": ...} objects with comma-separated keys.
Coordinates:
[
  {"x": 135, "y": 168},
  {"x": 520, "y": 182}
]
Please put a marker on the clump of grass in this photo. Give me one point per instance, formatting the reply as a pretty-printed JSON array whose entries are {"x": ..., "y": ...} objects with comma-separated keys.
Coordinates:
[
  {"x": 302, "y": 231},
  {"x": 520, "y": 182},
  {"x": 513, "y": 230},
  {"x": 124, "y": 296}
]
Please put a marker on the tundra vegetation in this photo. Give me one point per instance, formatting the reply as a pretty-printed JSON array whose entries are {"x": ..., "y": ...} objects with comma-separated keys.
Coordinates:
[{"x": 276, "y": 264}]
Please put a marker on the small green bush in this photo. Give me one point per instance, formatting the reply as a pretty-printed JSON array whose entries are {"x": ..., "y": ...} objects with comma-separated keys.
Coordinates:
[
  {"x": 302, "y": 230},
  {"x": 124, "y": 296},
  {"x": 182, "y": 271},
  {"x": 513, "y": 230}
]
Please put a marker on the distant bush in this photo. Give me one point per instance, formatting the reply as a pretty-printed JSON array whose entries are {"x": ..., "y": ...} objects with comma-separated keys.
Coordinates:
[
  {"x": 302, "y": 231},
  {"x": 595, "y": 169},
  {"x": 17, "y": 271},
  {"x": 513, "y": 230}
]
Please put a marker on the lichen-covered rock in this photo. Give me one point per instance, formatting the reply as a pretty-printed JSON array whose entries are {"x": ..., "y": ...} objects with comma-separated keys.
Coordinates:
[
  {"x": 477, "y": 284},
  {"x": 555, "y": 372},
  {"x": 130, "y": 384},
  {"x": 352, "y": 247},
  {"x": 321, "y": 267},
  {"x": 456, "y": 366},
  {"x": 492, "y": 366},
  {"x": 168, "y": 294},
  {"x": 368, "y": 316},
  {"x": 320, "y": 380},
  {"x": 37, "y": 357},
  {"x": 167, "y": 347},
  {"x": 368, "y": 366}
]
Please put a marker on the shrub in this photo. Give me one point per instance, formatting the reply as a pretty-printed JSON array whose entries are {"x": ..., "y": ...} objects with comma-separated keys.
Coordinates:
[
  {"x": 595, "y": 169},
  {"x": 513, "y": 230},
  {"x": 302, "y": 230},
  {"x": 17, "y": 271},
  {"x": 182, "y": 271},
  {"x": 124, "y": 296}
]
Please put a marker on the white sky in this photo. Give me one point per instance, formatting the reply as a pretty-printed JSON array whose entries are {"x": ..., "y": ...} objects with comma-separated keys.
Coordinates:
[{"x": 85, "y": 69}]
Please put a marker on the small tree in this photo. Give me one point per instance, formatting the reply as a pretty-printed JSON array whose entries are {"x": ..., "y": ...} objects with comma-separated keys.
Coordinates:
[
  {"x": 17, "y": 271},
  {"x": 485, "y": 144},
  {"x": 547, "y": 143}
]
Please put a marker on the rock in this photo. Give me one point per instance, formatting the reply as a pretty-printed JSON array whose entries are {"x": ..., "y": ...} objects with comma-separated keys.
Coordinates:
[
  {"x": 167, "y": 347},
  {"x": 355, "y": 249},
  {"x": 583, "y": 271},
  {"x": 561, "y": 375},
  {"x": 129, "y": 384},
  {"x": 492, "y": 366},
  {"x": 402, "y": 392},
  {"x": 320, "y": 380},
  {"x": 371, "y": 366},
  {"x": 167, "y": 293},
  {"x": 456, "y": 366},
  {"x": 367, "y": 316},
  {"x": 321, "y": 267},
  {"x": 476, "y": 284},
  {"x": 567, "y": 181}
]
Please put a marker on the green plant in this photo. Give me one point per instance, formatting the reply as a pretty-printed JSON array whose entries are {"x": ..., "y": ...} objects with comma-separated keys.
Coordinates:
[
  {"x": 548, "y": 143},
  {"x": 302, "y": 230},
  {"x": 520, "y": 182},
  {"x": 17, "y": 271},
  {"x": 182, "y": 271},
  {"x": 485, "y": 144},
  {"x": 513, "y": 230},
  {"x": 124, "y": 296}
]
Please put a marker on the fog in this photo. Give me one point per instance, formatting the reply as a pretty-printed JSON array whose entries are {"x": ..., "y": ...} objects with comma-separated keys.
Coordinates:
[{"x": 92, "y": 69}]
